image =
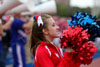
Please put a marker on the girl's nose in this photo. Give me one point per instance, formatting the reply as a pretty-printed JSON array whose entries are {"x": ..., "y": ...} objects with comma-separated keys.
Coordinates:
[{"x": 58, "y": 27}]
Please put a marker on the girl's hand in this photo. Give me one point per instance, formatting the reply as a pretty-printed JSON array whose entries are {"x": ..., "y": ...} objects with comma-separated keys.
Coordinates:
[{"x": 68, "y": 50}]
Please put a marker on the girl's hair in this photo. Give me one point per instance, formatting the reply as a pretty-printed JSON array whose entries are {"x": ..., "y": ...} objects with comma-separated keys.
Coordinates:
[{"x": 37, "y": 34}]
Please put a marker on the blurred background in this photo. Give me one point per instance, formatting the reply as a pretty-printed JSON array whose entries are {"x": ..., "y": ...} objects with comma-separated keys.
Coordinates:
[{"x": 61, "y": 10}]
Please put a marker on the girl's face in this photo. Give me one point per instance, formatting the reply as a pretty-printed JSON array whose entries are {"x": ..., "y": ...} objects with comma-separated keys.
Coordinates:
[{"x": 52, "y": 29}]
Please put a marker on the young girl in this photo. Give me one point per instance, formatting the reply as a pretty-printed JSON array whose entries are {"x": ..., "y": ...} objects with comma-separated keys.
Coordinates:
[{"x": 46, "y": 54}]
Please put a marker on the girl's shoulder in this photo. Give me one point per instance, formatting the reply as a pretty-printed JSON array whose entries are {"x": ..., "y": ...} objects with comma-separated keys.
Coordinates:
[{"x": 41, "y": 49}]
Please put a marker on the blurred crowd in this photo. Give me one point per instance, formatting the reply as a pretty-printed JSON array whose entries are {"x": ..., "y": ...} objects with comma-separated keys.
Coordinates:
[{"x": 14, "y": 33}]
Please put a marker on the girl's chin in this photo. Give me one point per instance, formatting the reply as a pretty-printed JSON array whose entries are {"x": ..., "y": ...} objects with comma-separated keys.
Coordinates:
[{"x": 58, "y": 36}]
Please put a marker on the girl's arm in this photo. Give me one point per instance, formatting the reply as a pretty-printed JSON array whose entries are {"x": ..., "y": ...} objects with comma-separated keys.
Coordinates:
[{"x": 44, "y": 60}]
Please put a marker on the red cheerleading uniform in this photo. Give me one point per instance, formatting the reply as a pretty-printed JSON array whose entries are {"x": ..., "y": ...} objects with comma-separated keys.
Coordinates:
[{"x": 48, "y": 55}]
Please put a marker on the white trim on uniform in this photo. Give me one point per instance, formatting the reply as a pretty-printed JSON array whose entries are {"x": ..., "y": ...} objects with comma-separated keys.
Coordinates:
[
  {"x": 19, "y": 55},
  {"x": 61, "y": 52},
  {"x": 22, "y": 33},
  {"x": 48, "y": 49}
]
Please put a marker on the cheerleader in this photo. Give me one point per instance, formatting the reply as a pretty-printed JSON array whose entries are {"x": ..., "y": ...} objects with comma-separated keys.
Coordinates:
[{"x": 46, "y": 54}]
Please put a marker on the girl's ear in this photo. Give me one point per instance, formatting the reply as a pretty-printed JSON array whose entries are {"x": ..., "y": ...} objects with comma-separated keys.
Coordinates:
[{"x": 45, "y": 31}]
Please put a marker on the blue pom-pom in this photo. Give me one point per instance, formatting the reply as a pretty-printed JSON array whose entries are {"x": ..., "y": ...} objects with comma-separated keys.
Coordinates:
[{"x": 87, "y": 21}]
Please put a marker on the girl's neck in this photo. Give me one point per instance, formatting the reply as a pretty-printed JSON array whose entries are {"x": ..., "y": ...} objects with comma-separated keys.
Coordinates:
[{"x": 49, "y": 39}]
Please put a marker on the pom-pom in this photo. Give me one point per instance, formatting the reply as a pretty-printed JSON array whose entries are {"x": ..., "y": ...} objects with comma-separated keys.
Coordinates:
[
  {"x": 74, "y": 36},
  {"x": 85, "y": 53},
  {"x": 77, "y": 39},
  {"x": 87, "y": 22}
]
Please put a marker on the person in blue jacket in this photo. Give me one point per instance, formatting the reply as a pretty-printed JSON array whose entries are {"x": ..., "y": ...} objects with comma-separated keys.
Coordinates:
[{"x": 18, "y": 40}]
